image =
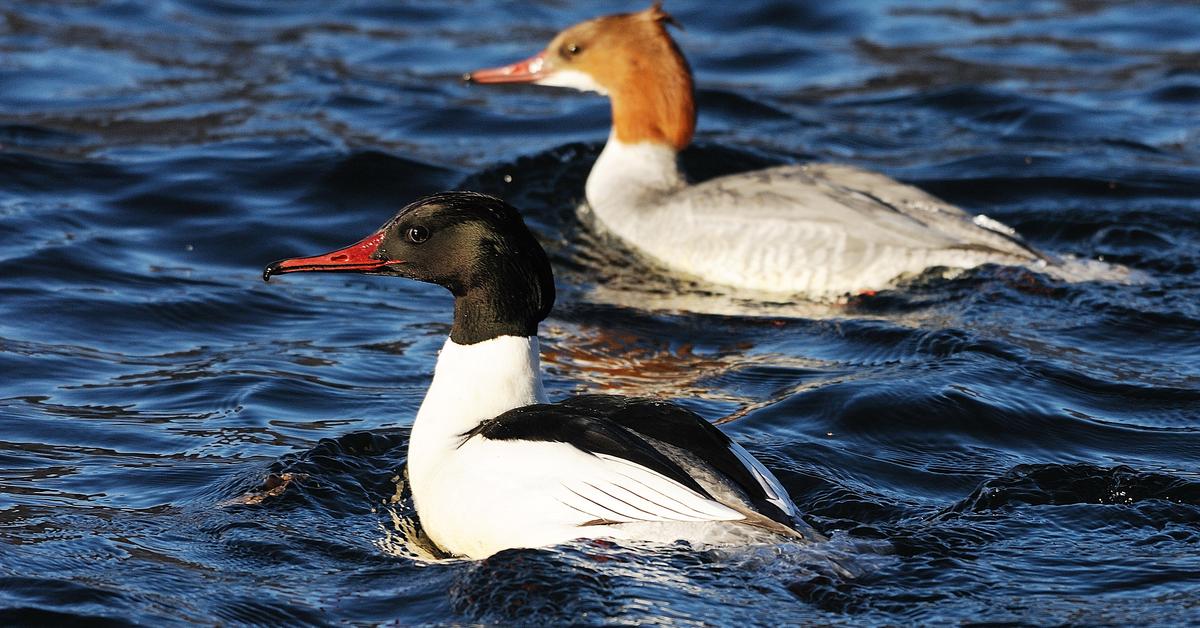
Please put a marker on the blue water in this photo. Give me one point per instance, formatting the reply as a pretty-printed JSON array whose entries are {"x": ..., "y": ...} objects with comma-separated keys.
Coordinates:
[{"x": 180, "y": 442}]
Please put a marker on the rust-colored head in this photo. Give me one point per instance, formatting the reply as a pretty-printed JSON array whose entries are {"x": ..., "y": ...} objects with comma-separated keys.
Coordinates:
[{"x": 631, "y": 58}]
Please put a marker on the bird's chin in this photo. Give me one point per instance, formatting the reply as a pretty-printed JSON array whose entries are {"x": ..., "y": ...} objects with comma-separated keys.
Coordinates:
[{"x": 572, "y": 79}]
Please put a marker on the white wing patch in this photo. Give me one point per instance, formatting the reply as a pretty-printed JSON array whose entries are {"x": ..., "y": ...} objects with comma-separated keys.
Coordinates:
[{"x": 625, "y": 492}]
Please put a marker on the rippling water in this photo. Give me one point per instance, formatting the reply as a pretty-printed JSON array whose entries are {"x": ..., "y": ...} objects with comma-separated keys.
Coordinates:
[{"x": 181, "y": 442}]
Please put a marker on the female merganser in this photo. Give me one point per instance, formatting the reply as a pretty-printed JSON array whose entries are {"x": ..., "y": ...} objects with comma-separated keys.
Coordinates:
[
  {"x": 821, "y": 230},
  {"x": 491, "y": 463}
]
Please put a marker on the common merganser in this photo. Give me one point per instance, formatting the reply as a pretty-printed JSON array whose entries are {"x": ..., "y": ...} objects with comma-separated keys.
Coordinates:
[
  {"x": 492, "y": 465},
  {"x": 819, "y": 230}
]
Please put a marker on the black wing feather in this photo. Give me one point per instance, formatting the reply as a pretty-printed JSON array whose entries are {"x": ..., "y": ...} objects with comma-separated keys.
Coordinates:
[
  {"x": 680, "y": 427},
  {"x": 585, "y": 430},
  {"x": 615, "y": 425}
]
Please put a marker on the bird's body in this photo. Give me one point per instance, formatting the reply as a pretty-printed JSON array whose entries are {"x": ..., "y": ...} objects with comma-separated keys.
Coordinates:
[
  {"x": 492, "y": 465},
  {"x": 815, "y": 229},
  {"x": 819, "y": 230}
]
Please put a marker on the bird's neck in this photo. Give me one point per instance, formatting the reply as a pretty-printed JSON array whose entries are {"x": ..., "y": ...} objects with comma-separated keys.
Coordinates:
[
  {"x": 494, "y": 310},
  {"x": 653, "y": 98},
  {"x": 654, "y": 118},
  {"x": 632, "y": 177},
  {"x": 472, "y": 383}
]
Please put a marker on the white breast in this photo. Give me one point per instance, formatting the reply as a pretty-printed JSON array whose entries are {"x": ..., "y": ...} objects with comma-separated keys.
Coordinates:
[{"x": 471, "y": 383}]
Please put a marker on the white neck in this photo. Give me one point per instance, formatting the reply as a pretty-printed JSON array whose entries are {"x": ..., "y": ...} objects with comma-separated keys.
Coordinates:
[
  {"x": 631, "y": 176},
  {"x": 471, "y": 384}
]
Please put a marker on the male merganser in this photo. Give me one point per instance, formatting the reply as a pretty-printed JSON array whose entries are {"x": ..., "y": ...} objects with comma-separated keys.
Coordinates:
[
  {"x": 820, "y": 230},
  {"x": 491, "y": 463}
]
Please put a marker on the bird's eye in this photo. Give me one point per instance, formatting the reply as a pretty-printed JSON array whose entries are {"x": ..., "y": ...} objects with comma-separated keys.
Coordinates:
[
  {"x": 417, "y": 235},
  {"x": 571, "y": 50}
]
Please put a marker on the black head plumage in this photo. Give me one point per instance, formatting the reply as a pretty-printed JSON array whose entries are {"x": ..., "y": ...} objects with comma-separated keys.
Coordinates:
[{"x": 474, "y": 245}]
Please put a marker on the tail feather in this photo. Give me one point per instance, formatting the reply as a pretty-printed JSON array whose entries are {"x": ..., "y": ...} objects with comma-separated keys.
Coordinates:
[
  {"x": 764, "y": 522},
  {"x": 1074, "y": 270}
]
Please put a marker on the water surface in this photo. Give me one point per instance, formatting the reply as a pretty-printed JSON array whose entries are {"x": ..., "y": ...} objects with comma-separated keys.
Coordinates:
[{"x": 180, "y": 442}]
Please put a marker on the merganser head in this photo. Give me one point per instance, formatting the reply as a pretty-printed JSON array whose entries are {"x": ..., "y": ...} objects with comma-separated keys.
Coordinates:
[
  {"x": 629, "y": 57},
  {"x": 474, "y": 245}
]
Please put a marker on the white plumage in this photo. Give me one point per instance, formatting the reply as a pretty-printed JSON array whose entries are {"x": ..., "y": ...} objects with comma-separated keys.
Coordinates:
[
  {"x": 821, "y": 230},
  {"x": 477, "y": 496}
]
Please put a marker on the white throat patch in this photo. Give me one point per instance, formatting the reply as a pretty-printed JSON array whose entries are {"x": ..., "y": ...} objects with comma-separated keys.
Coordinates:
[{"x": 574, "y": 79}]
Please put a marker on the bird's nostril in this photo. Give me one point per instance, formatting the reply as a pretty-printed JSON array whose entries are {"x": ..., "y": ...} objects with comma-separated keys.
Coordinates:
[{"x": 339, "y": 258}]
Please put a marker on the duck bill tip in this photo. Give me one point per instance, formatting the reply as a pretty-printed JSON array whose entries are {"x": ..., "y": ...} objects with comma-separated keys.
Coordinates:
[{"x": 530, "y": 70}]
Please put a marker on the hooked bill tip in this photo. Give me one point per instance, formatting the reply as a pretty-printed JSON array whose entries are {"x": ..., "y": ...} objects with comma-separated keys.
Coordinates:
[{"x": 271, "y": 269}]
